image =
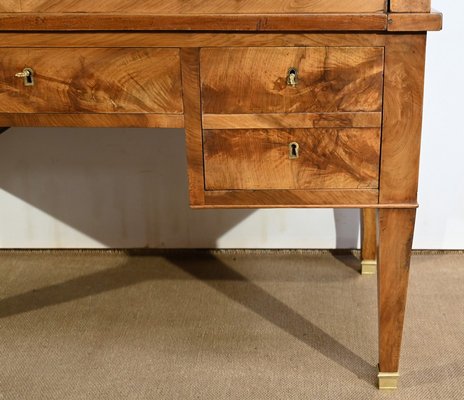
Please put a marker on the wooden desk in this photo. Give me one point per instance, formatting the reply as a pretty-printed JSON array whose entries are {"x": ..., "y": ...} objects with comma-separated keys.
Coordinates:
[{"x": 295, "y": 104}]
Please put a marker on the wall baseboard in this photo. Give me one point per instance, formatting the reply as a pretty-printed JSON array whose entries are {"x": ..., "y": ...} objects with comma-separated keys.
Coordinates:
[{"x": 160, "y": 252}]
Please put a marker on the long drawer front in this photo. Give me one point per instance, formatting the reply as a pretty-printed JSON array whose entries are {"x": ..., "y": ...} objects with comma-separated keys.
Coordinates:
[{"x": 90, "y": 80}]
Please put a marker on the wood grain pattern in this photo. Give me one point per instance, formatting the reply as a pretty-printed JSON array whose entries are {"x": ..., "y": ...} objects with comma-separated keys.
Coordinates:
[
  {"x": 415, "y": 22},
  {"x": 174, "y": 7},
  {"x": 193, "y": 129},
  {"x": 401, "y": 135},
  {"x": 92, "y": 81},
  {"x": 395, "y": 241},
  {"x": 402, "y": 6},
  {"x": 294, "y": 120},
  {"x": 188, "y": 39},
  {"x": 94, "y": 120},
  {"x": 369, "y": 234},
  {"x": 254, "y": 80},
  {"x": 291, "y": 198},
  {"x": 200, "y": 22},
  {"x": 259, "y": 159}
]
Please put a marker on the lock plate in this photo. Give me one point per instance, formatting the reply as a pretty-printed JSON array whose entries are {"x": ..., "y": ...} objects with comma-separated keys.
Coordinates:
[
  {"x": 293, "y": 150},
  {"x": 292, "y": 77},
  {"x": 28, "y": 76}
]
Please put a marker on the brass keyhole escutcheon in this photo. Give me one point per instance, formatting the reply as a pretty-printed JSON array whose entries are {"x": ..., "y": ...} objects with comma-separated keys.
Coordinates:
[
  {"x": 293, "y": 150},
  {"x": 28, "y": 75},
  {"x": 292, "y": 77}
]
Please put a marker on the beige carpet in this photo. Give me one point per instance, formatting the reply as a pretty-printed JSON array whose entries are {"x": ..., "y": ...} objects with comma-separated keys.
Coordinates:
[{"x": 226, "y": 326}]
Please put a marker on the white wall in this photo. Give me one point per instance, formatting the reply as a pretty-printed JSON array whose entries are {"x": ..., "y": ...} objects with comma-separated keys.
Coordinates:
[
  {"x": 440, "y": 223},
  {"x": 128, "y": 188}
]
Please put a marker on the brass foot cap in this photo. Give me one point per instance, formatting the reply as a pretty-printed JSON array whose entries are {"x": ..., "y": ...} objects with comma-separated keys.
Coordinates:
[
  {"x": 388, "y": 380},
  {"x": 368, "y": 267}
]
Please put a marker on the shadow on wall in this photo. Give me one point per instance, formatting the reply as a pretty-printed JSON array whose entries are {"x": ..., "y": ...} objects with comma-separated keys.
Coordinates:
[{"x": 123, "y": 188}]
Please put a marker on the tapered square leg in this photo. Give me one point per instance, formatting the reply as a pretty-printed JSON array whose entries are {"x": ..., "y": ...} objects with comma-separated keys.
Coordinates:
[
  {"x": 396, "y": 229},
  {"x": 369, "y": 241}
]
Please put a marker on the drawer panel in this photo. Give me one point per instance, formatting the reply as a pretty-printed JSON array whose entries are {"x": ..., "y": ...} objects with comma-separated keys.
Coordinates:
[
  {"x": 262, "y": 159},
  {"x": 91, "y": 80},
  {"x": 256, "y": 80}
]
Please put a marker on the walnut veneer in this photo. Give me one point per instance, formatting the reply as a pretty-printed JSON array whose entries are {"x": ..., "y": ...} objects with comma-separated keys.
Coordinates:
[{"x": 306, "y": 103}]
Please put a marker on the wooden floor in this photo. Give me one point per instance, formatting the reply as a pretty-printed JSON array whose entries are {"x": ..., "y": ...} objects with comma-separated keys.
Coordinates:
[{"x": 247, "y": 325}]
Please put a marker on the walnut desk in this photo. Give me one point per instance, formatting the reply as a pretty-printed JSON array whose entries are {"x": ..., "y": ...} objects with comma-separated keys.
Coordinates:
[{"x": 305, "y": 103}]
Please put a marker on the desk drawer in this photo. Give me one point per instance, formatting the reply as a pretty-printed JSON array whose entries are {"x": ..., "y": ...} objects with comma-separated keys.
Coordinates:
[
  {"x": 91, "y": 80},
  {"x": 257, "y": 80},
  {"x": 291, "y": 159}
]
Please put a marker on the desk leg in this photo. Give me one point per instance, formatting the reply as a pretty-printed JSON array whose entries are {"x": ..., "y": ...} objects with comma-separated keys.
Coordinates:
[
  {"x": 396, "y": 227},
  {"x": 369, "y": 241}
]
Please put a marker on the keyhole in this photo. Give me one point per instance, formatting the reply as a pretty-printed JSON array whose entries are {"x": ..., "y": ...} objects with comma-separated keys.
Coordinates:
[
  {"x": 293, "y": 150},
  {"x": 29, "y": 79},
  {"x": 292, "y": 77}
]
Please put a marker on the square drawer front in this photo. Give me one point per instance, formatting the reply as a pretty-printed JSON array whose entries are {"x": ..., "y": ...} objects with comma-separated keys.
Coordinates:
[
  {"x": 259, "y": 80},
  {"x": 332, "y": 158},
  {"x": 91, "y": 80}
]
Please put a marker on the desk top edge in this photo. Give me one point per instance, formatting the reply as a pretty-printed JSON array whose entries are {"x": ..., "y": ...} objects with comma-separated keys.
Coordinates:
[{"x": 300, "y": 22}]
